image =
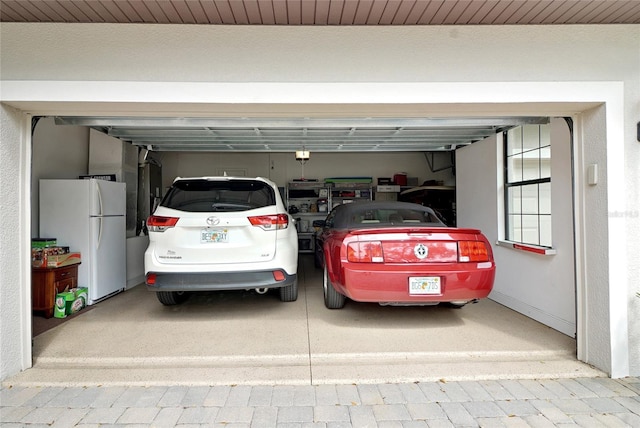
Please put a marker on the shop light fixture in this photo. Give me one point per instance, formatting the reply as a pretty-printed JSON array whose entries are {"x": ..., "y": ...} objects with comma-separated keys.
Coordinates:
[{"x": 302, "y": 156}]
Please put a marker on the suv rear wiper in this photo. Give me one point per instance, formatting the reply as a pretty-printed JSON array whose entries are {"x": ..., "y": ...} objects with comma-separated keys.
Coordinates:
[{"x": 226, "y": 206}]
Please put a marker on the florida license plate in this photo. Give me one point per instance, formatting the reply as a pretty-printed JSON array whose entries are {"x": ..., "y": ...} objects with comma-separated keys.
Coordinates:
[
  {"x": 424, "y": 285},
  {"x": 213, "y": 235}
]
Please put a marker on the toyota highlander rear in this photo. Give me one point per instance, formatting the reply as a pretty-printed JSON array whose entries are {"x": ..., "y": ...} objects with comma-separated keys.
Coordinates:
[{"x": 221, "y": 233}]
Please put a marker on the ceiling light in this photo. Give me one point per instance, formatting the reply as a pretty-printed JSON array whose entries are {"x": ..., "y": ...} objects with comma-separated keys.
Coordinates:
[{"x": 302, "y": 156}]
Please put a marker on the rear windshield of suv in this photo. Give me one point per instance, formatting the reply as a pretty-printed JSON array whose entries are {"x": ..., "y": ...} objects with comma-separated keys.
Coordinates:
[{"x": 212, "y": 195}]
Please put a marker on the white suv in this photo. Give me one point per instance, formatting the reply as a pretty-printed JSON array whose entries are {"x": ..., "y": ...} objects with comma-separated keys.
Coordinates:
[{"x": 221, "y": 233}]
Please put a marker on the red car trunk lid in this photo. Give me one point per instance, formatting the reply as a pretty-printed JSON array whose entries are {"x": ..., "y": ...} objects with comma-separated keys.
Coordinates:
[
  {"x": 419, "y": 251},
  {"x": 412, "y": 245}
]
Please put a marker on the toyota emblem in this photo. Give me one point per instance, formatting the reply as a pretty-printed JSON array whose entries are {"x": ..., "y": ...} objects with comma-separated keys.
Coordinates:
[
  {"x": 213, "y": 221},
  {"x": 421, "y": 251}
]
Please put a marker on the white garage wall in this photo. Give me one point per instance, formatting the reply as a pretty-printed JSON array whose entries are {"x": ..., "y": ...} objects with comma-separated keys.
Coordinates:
[
  {"x": 82, "y": 65},
  {"x": 58, "y": 152},
  {"x": 541, "y": 287},
  {"x": 282, "y": 167}
]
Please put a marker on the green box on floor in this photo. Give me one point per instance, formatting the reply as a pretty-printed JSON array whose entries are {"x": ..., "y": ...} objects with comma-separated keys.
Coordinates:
[
  {"x": 82, "y": 293},
  {"x": 60, "y": 308},
  {"x": 79, "y": 301}
]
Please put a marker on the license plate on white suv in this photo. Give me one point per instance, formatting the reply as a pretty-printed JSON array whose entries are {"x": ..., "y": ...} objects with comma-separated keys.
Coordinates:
[
  {"x": 208, "y": 236},
  {"x": 424, "y": 285}
]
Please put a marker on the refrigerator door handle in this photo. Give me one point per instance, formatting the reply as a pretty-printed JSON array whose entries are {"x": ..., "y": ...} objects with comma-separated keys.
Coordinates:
[
  {"x": 99, "y": 232},
  {"x": 101, "y": 211}
]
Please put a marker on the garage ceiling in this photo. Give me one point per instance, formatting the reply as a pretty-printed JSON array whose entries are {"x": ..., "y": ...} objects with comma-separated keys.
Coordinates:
[
  {"x": 325, "y": 12},
  {"x": 315, "y": 134},
  {"x": 290, "y": 134}
]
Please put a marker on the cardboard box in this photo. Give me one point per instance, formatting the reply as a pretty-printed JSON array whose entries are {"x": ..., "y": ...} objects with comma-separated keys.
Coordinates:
[
  {"x": 82, "y": 293},
  {"x": 41, "y": 256},
  {"x": 388, "y": 188},
  {"x": 43, "y": 242},
  {"x": 70, "y": 301},
  {"x": 386, "y": 196},
  {"x": 79, "y": 301},
  {"x": 62, "y": 299},
  {"x": 59, "y": 260}
]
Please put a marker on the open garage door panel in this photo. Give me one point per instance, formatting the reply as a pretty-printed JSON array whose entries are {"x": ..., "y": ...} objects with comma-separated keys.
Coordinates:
[{"x": 265, "y": 134}]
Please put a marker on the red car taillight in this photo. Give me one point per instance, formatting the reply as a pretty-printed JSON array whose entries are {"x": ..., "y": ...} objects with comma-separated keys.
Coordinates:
[
  {"x": 270, "y": 222},
  {"x": 160, "y": 224},
  {"x": 150, "y": 279},
  {"x": 473, "y": 251},
  {"x": 365, "y": 252}
]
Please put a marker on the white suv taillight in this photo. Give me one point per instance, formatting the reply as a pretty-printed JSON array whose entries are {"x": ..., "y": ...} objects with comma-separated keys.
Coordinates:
[
  {"x": 270, "y": 222},
  {"x": 157, "y": 223}
]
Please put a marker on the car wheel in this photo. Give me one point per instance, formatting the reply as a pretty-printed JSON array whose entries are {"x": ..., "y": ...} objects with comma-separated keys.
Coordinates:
[
  {"x": 170, "y": 298},
  {"x": 332, "y": 299},
  {"x": 289, "y": 293}
]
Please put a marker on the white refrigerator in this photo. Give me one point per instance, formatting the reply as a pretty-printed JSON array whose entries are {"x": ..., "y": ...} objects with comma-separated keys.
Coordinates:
[{"x": 89, "y": 216}]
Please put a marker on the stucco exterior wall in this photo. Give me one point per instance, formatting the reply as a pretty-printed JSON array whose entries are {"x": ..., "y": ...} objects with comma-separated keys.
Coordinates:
[
  {"x": 198, "y": 53},
  {"x": 14, "y": 322},
  {"x": 81, "y": 63},
  {"x": 596, "y": 223}
]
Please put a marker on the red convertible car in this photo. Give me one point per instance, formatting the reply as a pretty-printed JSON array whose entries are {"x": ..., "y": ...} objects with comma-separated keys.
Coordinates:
[{"x": 400, "y": 253}]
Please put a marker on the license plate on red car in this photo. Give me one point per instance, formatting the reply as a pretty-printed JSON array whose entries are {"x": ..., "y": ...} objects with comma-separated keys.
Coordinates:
[{"x": 424, "y": 285}]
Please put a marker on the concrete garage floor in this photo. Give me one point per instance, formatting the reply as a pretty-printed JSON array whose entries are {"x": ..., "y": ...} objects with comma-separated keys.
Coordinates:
[{"x": 232, "y": 338}]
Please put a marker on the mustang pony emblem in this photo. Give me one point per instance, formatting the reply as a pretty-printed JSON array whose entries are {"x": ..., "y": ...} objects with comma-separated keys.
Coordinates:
[{"x": 421, "y": 251}]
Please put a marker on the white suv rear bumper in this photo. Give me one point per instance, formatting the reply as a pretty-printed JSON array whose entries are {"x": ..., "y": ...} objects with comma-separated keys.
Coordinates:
[{"x": 211, "y": 281}]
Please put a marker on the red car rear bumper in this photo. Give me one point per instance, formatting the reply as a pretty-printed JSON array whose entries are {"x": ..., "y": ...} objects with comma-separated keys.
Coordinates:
[{"x": 384, "y": 283}]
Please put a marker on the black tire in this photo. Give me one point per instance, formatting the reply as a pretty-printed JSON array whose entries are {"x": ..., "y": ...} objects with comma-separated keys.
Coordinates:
[
  {"x": 332, "y": 299},
  {"x": 289, "y": 293},
  {"x": 170, "y": 298}
]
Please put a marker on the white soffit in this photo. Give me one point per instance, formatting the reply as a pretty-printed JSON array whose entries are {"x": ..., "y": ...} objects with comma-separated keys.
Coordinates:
[{"x": 325, "y": 12}]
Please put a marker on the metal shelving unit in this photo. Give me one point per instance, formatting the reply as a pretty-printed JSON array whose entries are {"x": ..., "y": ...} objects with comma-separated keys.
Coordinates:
[
  {"x": 345, "y": 192},
  {"x": 307, "y": 201},
  {"x": 312, "y": 200}
]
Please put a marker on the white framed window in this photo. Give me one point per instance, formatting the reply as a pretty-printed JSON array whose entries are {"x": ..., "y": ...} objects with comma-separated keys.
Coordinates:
[{"x": 527, "y": 155}]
